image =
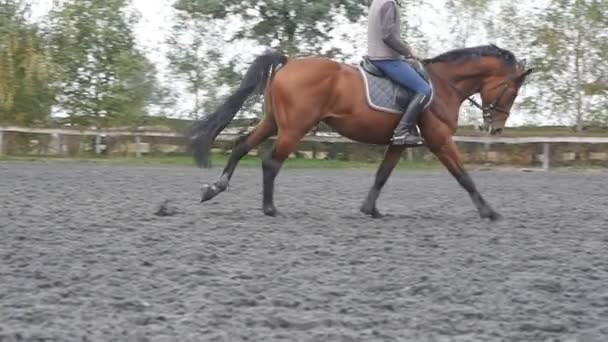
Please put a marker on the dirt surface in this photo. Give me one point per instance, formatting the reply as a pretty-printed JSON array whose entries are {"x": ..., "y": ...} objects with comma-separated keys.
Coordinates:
[{"x": 83, "y": 257}]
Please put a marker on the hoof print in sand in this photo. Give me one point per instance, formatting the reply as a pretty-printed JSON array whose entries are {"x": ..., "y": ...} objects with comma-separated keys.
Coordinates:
[{"x": 166, "y": 209}]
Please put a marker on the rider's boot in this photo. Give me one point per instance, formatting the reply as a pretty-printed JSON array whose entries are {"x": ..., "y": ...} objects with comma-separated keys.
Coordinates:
[{"x": 406, "y": 132}]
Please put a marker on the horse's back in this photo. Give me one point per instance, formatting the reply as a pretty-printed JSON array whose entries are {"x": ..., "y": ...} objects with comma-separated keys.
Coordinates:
[
  {"x": 305, "y": 70},
  {"x": 318, "y": 75},
  {"x": 306, "y": 82}
]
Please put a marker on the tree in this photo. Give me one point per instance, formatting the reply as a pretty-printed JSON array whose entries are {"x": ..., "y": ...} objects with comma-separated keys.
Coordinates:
[
  {"x": 101, "y": 77},
  {"x": 293, "y": 26},
  {"x": 566, "y": 41},
  {"x": 468, "y": 21},
  {"x": 573, "y": 38},
  {"x": 296, "y": 27},
  {"x": 25, "y": 97},
  {"x": 195, "y": 59},
  {"x": 411, "y": 23}
]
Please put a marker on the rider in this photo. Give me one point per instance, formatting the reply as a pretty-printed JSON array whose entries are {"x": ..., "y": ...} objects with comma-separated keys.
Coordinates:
[{"x": 386, "y": 50}]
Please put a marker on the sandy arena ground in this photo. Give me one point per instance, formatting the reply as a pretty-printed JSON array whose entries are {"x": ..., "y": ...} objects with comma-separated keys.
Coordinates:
[{"x": 84, "y": 258}]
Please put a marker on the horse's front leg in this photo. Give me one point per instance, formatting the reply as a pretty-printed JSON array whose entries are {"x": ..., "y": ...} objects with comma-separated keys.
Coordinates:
[
  {"x": 391, "y": 158},
  {"x": 448, "y": 155}
]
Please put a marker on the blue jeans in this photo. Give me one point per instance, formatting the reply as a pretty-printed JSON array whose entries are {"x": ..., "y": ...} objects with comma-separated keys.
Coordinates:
[{"x": 402, "y": 73}]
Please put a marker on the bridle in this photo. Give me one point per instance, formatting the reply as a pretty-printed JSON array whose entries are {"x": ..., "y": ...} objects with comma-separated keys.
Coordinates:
[{"x": 488, "y": 112}]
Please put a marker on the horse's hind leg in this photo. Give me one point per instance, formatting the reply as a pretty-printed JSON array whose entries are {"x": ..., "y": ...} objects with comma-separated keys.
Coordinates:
[
  {"x": 284, "y": 146},
  {"x": 391, "y": 158},
  {"x": 243, "y": 145}
]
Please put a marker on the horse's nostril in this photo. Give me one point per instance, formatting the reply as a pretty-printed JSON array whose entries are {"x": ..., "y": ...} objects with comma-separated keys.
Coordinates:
[{"x": 497, "y": 131}]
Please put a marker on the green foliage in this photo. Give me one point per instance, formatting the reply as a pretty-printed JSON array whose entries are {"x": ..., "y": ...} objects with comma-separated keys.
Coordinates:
[
  {"x": 25, "y": 97},
  {"x": 200, "y": 37},
  {"x": 566, "y": 41},
  {"x": 86, "y": 63},
  {"x": 573, "y": 38},
  {"x": 410, "y": 27},
  {"x": 294, "y": 26},
  {"x": 195, "y": 59},
  {"x": 467, "y": 15},
  {"x": 101, "y": 77}
]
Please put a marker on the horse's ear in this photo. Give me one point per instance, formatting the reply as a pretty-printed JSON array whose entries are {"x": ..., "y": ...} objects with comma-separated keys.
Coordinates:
[
  {"x": 522, "y": 77},
  {"x": 523, "y": 63}
]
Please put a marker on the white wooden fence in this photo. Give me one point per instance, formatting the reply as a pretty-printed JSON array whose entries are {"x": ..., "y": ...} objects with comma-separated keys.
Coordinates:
[{"x": 322, "y": 137}]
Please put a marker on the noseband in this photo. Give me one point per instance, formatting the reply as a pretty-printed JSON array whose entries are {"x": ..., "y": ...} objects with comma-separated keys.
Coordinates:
[{"x": 490, "y": 111}]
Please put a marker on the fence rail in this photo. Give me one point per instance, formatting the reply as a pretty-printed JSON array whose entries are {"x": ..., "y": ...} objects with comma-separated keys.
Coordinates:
[{"x": 321, "y": 137}]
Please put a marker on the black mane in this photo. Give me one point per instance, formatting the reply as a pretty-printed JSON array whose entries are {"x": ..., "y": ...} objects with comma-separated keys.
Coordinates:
[{"x": 475, "y": 53}]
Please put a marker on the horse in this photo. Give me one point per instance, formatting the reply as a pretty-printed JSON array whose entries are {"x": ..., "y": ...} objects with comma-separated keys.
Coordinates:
[{"x": 299, "y": 93}]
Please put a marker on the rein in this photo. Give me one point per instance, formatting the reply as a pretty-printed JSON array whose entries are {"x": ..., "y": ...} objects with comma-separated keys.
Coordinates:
[{"x": 489, "y": 111}]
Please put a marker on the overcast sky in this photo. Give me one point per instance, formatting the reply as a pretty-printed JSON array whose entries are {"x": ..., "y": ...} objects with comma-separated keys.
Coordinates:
[{"x": 156, "y": 21}]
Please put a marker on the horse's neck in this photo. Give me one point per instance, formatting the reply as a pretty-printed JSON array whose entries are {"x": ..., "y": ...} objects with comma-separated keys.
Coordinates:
[
  {"x": 465, "y": 80},
  {"x": 458, "y": 82}
]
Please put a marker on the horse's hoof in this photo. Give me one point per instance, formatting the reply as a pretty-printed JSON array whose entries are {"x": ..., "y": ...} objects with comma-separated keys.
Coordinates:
[
  {"x": 271, "y": 211},
  {"x": 492, "y": 216},
  {"x": 208, "y": 192},
  {"x": 223, "y": 183},
  {"x": 372, "y": 212},
  {"x": 496, "y": 217}
]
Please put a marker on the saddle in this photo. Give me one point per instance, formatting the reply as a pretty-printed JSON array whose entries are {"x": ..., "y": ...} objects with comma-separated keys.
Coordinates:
[{"x": 382, "y": 93}]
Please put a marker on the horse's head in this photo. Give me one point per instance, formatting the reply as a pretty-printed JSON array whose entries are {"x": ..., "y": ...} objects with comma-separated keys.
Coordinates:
[{"x": 498, "y": 93}]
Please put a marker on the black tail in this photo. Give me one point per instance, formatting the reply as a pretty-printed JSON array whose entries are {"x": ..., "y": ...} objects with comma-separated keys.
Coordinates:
[{"x": 203, "y": 132}]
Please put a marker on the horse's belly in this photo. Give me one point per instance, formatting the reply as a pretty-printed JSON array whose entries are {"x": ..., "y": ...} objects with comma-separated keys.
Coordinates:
[{"x": 370, "y": 127}]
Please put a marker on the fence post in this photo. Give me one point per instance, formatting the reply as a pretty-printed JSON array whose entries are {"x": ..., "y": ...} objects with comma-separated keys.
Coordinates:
[
  {"x": 546, "y": 156},
  {"x": 137, "y": 146},
  {"x": 487, "y": 147},
  {"x": 410, "y": 155},
  {"x": 63, "y": 145},
  {"x": 1, "y": 143},
  {"x": 97, "y": 143}
]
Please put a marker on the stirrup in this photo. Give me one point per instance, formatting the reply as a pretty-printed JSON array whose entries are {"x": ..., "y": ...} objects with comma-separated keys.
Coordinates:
[{"x": 408, "y": 139}]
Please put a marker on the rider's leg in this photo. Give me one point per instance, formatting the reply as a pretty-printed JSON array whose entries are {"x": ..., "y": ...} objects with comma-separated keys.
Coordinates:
[{"x": 402, "y": 73}]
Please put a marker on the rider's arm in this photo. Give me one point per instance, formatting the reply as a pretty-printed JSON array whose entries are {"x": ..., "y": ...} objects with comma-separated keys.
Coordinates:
[{"x": 390, "y": 30}]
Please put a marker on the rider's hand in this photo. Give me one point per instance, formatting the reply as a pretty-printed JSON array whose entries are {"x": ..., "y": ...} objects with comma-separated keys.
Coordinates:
[{"x": 413, "y": 54}]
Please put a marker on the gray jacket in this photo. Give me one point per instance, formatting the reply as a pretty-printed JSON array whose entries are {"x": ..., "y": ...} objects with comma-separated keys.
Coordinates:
[{"x": 384, "y": 31}]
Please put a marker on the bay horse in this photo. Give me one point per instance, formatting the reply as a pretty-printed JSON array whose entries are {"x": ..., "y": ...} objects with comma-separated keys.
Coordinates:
[{"x": 299, "y": 93}]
